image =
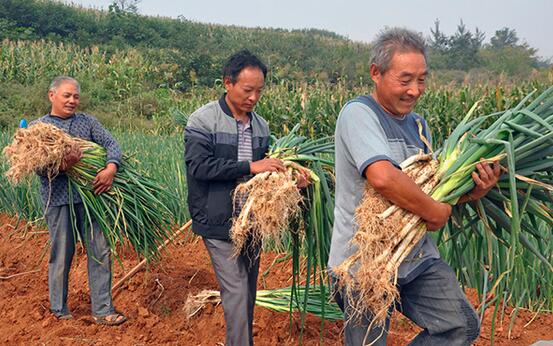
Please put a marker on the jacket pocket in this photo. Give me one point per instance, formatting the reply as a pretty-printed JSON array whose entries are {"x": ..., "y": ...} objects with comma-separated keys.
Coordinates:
[{"x": 219, "y": 202}]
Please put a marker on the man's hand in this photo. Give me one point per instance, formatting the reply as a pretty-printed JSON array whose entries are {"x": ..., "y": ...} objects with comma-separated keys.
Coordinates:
[
  {"x": 303, "y": 178},
  {"x": 104, "y": 178},
  {"x": 266, "y": 165},
  {"x": 439, "y": 216},
  {"x": 72, "y": 155},
  {"x": 485, "y": 177}
]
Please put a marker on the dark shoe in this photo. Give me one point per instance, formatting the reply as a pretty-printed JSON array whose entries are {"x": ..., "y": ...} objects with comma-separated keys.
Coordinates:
[{"x": 66, "y": 316}]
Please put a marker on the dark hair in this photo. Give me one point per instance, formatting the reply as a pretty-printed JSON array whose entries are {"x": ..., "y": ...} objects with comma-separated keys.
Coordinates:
[{"x": 239, "y": 61}]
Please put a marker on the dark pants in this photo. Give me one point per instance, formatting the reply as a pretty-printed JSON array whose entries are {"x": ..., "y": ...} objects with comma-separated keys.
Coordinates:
[
  {"x": 434, "y": 301},
  {"x": 62, "y": 237},
  {"x": 237, "y": 279}
]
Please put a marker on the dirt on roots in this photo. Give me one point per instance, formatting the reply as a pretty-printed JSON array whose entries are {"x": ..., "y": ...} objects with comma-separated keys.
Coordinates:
[{"x": 154, "y": 301}]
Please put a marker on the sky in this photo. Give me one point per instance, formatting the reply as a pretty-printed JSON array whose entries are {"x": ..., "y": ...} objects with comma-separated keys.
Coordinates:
[{"x": 361, "y": 20}]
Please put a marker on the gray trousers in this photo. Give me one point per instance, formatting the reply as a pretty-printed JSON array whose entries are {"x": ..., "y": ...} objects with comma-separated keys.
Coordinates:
[
  {"x": 62, "y": 236},
  {"x": 433, "y": 300},
  {"x": 237, "y": 279}
]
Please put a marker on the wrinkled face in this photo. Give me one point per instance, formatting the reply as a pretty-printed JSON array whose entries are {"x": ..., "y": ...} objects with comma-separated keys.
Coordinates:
[
  {"x": 244, "y": 94},
  {"x": 65, "y": 99},
  {"x": 398, "y": 89}
]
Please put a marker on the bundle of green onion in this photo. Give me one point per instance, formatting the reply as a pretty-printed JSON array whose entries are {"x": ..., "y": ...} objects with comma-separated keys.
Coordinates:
[
  {"x": 522, "y": 139},
  {"x": 310, "y": 223},
  {"x": 264, "y": 214},
  {"x": 277, "y": 300},
  {"x": 281, "y": 300},
  {"x": 318, "y": 156},
  {"x": 131, "y": 210},
  {"x": 318, "y": 218}
]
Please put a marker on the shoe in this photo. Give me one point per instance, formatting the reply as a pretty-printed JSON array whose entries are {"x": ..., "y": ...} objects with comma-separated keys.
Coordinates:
[
  {"x": 110, "y": 320},
  {"x": 66, "y": 316}
]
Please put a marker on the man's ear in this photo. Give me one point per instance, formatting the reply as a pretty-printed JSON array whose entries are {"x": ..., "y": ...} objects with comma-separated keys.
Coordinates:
[
  {"x": 50, "y": 95},
  {"x": 227, "y": 82},
  {"x": 375, "y": 74}
]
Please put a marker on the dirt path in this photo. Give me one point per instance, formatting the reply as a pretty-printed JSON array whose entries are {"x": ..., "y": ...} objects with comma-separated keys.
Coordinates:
[{"x": 154, "y": 301}]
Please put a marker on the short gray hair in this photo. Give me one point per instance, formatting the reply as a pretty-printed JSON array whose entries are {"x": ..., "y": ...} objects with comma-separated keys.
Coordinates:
[
  {"x": 393, "y": 40},
  {"x": 59, "y": 80}
]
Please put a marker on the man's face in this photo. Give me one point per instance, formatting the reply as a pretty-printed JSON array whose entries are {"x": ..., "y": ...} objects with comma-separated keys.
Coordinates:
[
  {"x": 244, "y": 94},
  {"x": 64, "y": 99},
  {"x": 399, "y": 88}
]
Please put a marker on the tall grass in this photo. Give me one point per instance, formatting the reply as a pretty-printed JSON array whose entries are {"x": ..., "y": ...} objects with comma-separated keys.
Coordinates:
[{"x": 162, "y": 157}]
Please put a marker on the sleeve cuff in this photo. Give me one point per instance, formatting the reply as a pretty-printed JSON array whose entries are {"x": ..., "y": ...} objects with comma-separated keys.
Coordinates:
[
  {"x": 244, "y": 167},
  {"x": 114, "y": 161},
  {"x": 373, "y": 159}
]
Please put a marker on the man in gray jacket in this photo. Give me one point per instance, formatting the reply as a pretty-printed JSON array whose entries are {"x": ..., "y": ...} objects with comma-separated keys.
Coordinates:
[{"x": 225, "y": 144}]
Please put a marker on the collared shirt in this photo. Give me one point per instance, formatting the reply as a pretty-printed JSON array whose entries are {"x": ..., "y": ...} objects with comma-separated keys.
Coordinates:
[
  {"x": 56, "y": 193},
  {"x": 245, "y": 152}
]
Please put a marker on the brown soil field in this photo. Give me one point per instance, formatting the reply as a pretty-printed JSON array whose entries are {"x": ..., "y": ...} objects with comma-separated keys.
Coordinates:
[{"x": 154, "y": 301}]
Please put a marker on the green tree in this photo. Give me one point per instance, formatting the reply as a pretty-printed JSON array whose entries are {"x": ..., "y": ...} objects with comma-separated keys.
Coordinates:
[
  {"x": 504, "y": 38},
  {"x": 456, "y": 52},
  {"x": 438, "y": 40},
  {"x": 463, "y": 48},
  {"x": 438, "y": 44},
  {"x": 130, "y": 6},
  {"x": 504, "y": 54}
]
